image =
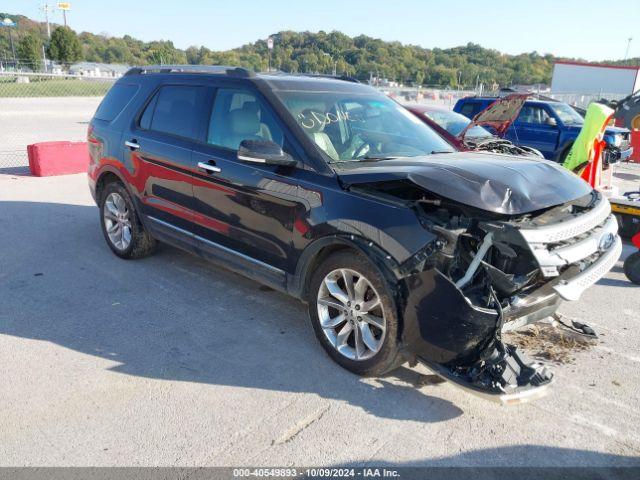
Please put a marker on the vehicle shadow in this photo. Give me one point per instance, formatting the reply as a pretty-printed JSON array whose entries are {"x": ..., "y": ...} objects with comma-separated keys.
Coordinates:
[
  {"x": 174, "y": 316},
  {"x": 517, "y": 461}
]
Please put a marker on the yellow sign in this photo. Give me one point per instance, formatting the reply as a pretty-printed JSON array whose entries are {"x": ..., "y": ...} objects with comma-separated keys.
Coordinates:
[{"x": 64, "y": 6}]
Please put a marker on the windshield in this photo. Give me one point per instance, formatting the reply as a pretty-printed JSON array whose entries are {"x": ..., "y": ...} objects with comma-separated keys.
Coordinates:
[
  {"x": 355, "y": 127},
  {"x": 566, "y": 114},
  {"x": 454, "y": 123}
]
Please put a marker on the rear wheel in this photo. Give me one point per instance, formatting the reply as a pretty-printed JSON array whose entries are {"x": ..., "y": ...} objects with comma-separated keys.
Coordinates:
[
  {"x": 121, "y": 226},
  {"x": 353, "y": 315}
]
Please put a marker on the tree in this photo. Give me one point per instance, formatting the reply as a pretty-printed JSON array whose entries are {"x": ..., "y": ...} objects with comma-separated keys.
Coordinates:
[
  {"x": 64, "y": 46},
  {"x": 29, "y": 51}
]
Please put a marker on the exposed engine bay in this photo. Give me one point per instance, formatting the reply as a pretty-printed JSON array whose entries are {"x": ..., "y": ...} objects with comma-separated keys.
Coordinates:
[
  {"x": 486, "y": 272},
  {"x": 501, "y": 146}
]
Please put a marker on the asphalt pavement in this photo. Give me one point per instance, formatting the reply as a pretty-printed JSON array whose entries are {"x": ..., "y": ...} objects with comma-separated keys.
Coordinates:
[{"x": 173, "y": 361}]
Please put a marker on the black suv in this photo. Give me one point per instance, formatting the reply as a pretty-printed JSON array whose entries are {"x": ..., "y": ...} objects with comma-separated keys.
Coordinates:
[{"x": 326, "y": 189}]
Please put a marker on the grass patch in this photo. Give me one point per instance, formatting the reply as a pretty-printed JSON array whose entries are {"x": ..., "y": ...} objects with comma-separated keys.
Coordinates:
[{"x": 53, "y": 88}]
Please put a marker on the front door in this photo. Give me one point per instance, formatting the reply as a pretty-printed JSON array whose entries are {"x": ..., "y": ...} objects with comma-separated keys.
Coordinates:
[
  {"x": 535, "y": 128},
  {"x": 242, "y": 207}
]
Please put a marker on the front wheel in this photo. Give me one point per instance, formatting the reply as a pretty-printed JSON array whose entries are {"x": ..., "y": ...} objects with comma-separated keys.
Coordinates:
[
  {"x": 353, "y": 314},
  {"x": 632, "y": 267}
]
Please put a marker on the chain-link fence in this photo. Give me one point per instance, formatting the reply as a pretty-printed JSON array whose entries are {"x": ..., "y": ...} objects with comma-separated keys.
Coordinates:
[{"x": 39, "y": 108}]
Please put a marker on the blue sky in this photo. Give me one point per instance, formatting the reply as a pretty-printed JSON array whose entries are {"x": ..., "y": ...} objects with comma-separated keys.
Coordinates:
[{"x": 563, "y": 27}]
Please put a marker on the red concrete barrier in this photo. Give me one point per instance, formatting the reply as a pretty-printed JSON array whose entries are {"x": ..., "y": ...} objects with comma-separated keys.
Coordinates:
[
  {"x": 58, "y": 158},
  {"x": 635, "y": 143}
]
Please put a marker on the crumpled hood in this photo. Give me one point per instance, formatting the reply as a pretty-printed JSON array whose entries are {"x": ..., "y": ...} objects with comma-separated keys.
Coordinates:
[{"x": 496, "y": 183}]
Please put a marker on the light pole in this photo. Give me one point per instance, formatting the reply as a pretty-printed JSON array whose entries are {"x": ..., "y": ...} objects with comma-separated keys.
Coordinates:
[
  {"x": 335, "y": 63},
  {"x": 8, "y": 23},
  {"x": 269, "y": 48}
]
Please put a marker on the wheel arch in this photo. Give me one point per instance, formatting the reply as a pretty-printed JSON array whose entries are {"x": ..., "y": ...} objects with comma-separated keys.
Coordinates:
[
  {"x": 105, "y": 177},
  {"x": 564, "y": 150},
  {"x": 319, "y": 250}
]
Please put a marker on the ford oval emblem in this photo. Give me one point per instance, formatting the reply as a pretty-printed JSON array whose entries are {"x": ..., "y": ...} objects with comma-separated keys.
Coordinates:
[{"x": 606, "y": 241}]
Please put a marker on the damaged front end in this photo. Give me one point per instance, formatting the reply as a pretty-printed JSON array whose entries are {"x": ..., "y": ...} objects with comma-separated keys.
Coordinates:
[{"x": 485, "y": 273}]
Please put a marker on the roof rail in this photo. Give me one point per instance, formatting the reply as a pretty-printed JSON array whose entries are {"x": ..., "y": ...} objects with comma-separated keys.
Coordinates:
[
  {"x": 216, "y": 69},
  {"x": 344, "y": 78}
]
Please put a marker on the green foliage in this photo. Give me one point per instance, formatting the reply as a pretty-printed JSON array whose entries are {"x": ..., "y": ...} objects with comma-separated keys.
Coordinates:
[
  {"x": 309, "y": 52},
  {"x": 29, "y": 51},
  {"x": 64, "y": 46}
]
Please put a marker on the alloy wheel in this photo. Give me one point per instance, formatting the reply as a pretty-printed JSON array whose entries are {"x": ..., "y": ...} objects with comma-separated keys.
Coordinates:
[
  {"x": 117, "y": 221},
  {"x": 351, "y": 314}
]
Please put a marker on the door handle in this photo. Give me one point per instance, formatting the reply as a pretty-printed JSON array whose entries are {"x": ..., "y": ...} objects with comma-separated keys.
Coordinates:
[
  {"x": 209, "y": 168},
  {"x": 133, "y": 145}
]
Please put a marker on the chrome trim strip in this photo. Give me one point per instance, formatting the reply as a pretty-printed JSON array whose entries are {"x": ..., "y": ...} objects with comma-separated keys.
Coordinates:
[
  {"x": 218, "y": 246},
  {"x": 572, "y": 289},
  {"x": 571, "y": 228}
]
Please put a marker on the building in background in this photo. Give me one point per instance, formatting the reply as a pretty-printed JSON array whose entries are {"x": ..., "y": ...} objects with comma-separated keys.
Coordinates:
[{"x": 610, "y": 81}]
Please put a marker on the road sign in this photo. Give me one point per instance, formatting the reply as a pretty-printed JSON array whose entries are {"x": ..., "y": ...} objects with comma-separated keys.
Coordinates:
[{"x": 64, "y": 6}]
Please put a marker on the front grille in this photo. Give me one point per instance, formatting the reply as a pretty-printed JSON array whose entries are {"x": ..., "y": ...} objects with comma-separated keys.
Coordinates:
[{"x": 574, "y": 241}]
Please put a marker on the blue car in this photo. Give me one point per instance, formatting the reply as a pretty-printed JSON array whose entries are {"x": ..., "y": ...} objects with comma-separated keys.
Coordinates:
[{"x": 550, "y": 127}]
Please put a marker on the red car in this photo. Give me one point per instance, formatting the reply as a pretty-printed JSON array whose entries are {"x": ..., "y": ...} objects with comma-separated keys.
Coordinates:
[{"x": 465, "y": 134}]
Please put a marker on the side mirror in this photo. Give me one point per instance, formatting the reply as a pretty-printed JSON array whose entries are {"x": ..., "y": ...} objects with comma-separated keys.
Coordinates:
[
  {"x": 264, "y": 152},
  {"x": 551, "y": 122}
]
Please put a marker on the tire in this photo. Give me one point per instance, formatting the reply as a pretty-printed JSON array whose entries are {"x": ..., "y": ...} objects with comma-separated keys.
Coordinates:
[
  {"x": 563, "y": 156},
  {"x": 632, "y": 267},
  {"x": 118, "y": 214},
  {"x": 338, "y": 337}
]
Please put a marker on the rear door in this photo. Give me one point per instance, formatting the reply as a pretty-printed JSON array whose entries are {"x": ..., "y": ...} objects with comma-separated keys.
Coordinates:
[
  {"x": 159, "y": 147},
  {"x": 536, "y": 128},
  {"x": 244, "y": 207}
]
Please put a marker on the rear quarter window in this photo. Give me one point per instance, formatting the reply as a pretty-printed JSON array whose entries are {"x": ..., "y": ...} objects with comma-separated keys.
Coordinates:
[
  {"x": 114, "y": 102},
  {"x": 470, "y": 109}
]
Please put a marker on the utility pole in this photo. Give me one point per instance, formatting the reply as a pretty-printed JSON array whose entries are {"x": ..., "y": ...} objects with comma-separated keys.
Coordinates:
[
  {"x": 44, "y": 59},
  {"x": 46, "y": 8},
  {"x": 626, "y": 55}
]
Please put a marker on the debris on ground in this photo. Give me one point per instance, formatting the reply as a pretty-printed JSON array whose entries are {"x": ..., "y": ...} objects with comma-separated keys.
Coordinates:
[{"x": 546, "y": 342}]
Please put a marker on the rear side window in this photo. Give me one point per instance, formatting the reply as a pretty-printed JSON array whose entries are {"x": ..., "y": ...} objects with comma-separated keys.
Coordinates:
[
  {"x": 114, "y": 102},
  {"x": 470, "y": 109},
  {"x": 177, "y": 110}
]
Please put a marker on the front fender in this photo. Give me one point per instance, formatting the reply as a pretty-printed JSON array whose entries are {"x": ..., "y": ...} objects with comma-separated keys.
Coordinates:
[{"x": 298, "y": 282}]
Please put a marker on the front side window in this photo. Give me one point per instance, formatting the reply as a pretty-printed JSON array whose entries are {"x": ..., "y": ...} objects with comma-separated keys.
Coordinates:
[
  {"x": 566, "y": 114},
  {"x": 175, "y": 109},
  {"x": 533, "y": 114},
  {"x": 239, "y": 115},
  {"x": 454, "y": 123},
  {"x": 353, "y": 126}
]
